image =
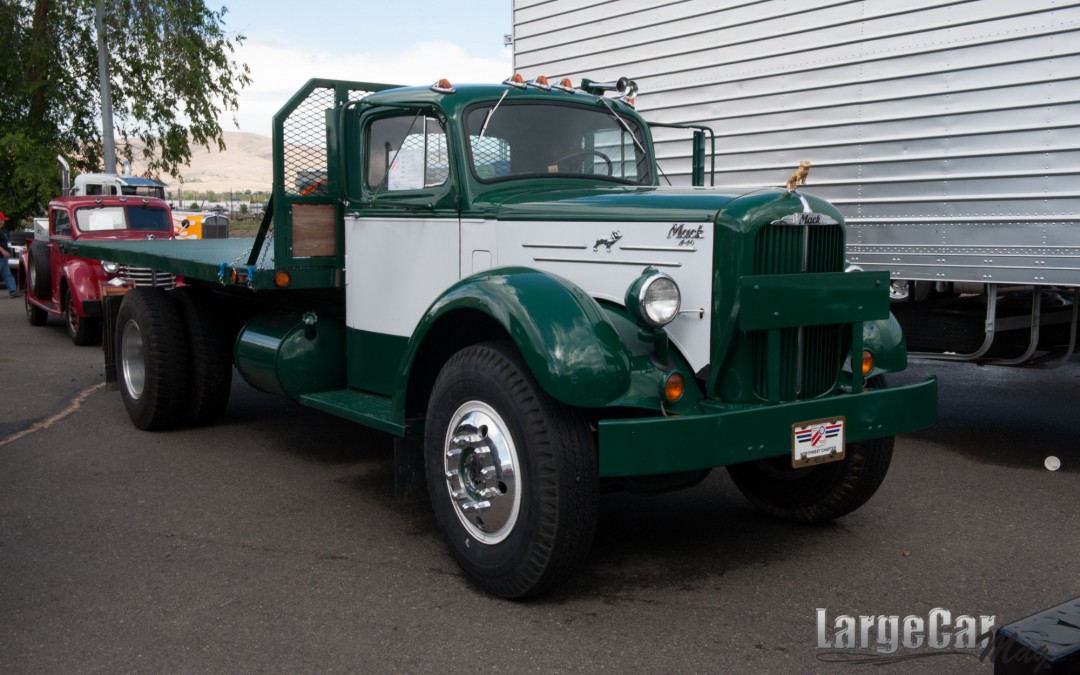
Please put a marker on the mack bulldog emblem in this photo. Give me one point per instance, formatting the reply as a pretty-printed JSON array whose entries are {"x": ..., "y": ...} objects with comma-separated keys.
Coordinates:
[{"x": 609, "y": 242}]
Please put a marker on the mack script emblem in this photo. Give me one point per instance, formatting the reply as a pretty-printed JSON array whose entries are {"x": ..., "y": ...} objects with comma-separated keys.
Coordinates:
[{"x": 687, "y": 236}]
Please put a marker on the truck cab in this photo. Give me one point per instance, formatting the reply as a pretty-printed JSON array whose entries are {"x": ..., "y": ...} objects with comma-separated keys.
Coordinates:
[
  {"x": 104, "y": 184},
  {"x": 496, "y": 276},
  {"x": 70, "y": 286}
]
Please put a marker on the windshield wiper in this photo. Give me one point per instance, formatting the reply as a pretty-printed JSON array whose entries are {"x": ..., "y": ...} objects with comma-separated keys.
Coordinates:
[
  {"x": 487, "y": 117},
  {"x": 644, "y": 155}
]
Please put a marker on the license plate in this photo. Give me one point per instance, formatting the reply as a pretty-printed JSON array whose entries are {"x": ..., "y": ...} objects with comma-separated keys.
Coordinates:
[{"x": 817, "y": 442}]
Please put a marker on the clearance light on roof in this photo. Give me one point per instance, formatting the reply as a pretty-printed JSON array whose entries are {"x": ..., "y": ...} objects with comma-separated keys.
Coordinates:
[
  {"x": 540, "y": 82},
  {"x": 565, "y": 85},
  {"x": 516, "y": 81},
  {"x": 443, "y": 86}
]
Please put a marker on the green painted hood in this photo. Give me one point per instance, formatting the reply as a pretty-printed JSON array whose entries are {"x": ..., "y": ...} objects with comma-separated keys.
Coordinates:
[{"x": 616, "y": 203}]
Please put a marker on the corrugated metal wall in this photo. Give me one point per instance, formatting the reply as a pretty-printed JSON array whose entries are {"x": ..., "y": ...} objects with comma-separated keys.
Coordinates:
[{"x": 912, "y": 111}]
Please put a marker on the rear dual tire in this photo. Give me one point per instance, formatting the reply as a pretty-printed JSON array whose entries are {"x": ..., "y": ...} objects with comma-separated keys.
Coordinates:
[
  {"x": 152, "y": 359},
  {"x": 172, "y": 361}
]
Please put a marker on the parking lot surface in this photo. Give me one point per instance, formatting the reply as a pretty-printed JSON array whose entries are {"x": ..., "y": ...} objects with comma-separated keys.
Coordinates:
[{"x": 273, "y": 542}]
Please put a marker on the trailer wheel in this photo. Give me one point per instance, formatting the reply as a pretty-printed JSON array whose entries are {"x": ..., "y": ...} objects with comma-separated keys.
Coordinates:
[
  {"x": 512, "y": 473},
  {"x": 39, "y": 271},
  {"x": 34, "y": 314},
  {"x": 152, "y": 359},
  {"x": 82, "y": 330},
  {"x": 209, "y": 359},
  {"x": 819, "y": 493}
]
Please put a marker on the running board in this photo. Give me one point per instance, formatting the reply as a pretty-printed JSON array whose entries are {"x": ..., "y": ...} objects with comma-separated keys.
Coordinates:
[{"x": 371, "y": 410}]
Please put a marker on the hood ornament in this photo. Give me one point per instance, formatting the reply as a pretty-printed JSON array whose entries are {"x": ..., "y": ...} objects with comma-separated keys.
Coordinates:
[{"x": 799, "y": 176}]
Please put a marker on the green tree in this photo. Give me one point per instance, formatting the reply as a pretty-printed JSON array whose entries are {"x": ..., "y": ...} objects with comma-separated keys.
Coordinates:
[{"x": 173, "y": 72}]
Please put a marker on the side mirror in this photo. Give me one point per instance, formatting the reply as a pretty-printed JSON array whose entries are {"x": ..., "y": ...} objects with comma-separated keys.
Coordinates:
[{"x": 698, "y": 176}]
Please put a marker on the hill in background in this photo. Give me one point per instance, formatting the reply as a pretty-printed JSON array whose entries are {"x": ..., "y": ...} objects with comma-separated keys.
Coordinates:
[{"x": 246, "y": 164}]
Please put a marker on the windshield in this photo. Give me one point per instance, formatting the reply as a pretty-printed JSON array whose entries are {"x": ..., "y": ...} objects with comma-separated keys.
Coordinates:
[
  {"x": 542, "y": 139},
  {"x": 141, "y": 218}
]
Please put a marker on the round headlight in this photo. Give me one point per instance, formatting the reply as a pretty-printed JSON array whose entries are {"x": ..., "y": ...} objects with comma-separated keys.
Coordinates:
[
  {"x": 110, "y": 267},
  {"x": 654, "y": 299}
]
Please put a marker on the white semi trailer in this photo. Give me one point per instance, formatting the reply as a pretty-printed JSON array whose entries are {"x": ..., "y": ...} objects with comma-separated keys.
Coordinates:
[{"x": 948, "y": 134}]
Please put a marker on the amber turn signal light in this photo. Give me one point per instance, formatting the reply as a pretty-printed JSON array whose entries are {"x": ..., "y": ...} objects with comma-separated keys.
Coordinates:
[
  {"x": 674, "y": 386},
  {"x": 867, "y": 362},
  {"x": 282, "y": 279}
]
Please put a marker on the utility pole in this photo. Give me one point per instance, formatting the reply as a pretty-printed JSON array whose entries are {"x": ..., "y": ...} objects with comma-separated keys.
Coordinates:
[{"x": 106, "y": 92}]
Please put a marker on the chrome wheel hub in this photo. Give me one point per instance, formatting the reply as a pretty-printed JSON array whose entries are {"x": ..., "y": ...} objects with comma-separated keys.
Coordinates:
[
  {"x": 132, "y": 360},
  {"x": 482, "y": 474}
]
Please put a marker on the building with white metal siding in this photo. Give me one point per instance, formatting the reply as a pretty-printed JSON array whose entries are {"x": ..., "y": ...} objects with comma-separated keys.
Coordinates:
[{"x": 947, "y": 132}]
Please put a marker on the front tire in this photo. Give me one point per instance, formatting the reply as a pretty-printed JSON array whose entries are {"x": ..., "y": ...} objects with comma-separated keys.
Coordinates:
[
  {"x": 152, "y": 359},
  {"x": 82, "y": 330},
  {"x": 512, "y": 473},
  {"x": 821, "y": 493}
]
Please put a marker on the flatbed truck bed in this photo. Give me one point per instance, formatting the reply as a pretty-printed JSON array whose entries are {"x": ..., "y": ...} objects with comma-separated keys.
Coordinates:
[{"x": 202, "y": 259}]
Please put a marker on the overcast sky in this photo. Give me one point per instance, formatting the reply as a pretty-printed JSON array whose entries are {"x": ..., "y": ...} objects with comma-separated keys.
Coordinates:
[{"x": 415, "y": 42}]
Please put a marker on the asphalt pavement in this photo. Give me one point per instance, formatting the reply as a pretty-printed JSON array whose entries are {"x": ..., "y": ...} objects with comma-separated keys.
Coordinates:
[{"x": 273, "y": 542}]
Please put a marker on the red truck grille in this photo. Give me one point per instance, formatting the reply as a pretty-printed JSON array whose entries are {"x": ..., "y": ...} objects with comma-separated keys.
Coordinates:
[{"x": 144, "y": 276}]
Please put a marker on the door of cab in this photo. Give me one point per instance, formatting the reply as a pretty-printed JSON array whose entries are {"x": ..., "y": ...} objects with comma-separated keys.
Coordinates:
[
  {"x": 60, "y": 228},
  {"x": 402, "y": 237}
]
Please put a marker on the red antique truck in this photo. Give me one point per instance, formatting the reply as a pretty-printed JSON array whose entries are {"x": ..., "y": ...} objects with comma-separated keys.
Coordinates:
[{"x": 70, "y": 286}]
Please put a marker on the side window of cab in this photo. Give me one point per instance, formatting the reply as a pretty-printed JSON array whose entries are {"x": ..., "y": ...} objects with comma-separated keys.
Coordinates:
[
  {"x": 61, "y": 223},
  {"x": 406, "y": 152}
]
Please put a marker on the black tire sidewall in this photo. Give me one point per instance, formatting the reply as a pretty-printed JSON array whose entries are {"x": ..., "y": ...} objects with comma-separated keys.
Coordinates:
[
  {"x": 209, "y": 360},
  {"x": 496, "y": 560},
  {"x": 87, "y": 329},
  {"x": 34, "y": 314},
  {"x": 526, "y": 560},
  {"x": 39, "y": 276},
  {"x": 165, "y": 354}
]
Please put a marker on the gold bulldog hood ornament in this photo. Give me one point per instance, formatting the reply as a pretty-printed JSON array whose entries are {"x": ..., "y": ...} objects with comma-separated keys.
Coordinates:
[{"x": 799, "y": 176}]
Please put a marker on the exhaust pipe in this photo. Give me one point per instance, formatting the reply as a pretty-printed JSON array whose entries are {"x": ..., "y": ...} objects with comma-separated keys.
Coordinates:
[{"x": 65, "y": 175}]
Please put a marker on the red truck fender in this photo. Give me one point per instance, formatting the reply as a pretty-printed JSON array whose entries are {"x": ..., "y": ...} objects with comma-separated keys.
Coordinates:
[{"x": 82, "y": 277}]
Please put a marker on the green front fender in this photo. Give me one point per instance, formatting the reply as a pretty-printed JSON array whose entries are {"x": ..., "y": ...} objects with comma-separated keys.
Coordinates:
[
  {"x": 566, "y": 339},
  {"x": 886, "y": 340}
]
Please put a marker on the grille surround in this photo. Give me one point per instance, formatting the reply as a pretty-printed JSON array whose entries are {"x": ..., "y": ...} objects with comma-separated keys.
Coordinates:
[{"x": 144, "y": 277}]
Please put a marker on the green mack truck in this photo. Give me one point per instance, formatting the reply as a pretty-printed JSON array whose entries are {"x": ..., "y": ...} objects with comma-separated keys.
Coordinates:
[{"x": 494, "y": 275}]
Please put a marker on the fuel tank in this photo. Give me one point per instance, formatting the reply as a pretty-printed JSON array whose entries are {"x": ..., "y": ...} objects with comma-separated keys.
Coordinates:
[{"x": 292, "y": 354}]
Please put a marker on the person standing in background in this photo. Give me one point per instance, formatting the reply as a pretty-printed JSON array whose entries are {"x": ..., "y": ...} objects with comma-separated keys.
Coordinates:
[{"x": 7, "y": 253}]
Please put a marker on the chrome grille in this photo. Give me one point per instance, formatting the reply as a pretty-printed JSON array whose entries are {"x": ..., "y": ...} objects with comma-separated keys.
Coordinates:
[
  {"x": 810, "y": 357},
  {"x": 144, "y": 276}
]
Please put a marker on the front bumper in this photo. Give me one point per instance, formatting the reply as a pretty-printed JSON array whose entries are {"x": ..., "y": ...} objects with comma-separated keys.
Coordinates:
[{"x": 639, "y": 447}]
